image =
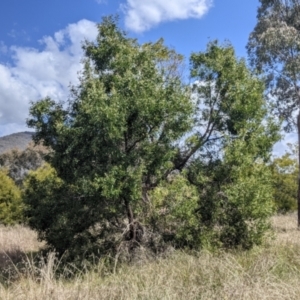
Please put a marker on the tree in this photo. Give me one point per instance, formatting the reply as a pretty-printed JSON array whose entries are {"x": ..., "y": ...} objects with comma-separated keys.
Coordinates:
[
  {"x": 236, "y": 135},
  {"x": 132, "y": 123},
  {"x": 114, "y": 142},
  {"x": 274, "y": 49}
]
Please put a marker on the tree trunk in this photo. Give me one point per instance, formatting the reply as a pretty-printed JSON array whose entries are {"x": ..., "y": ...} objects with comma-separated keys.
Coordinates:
[
  {"x": 132, "y": 229},
  {"x": 298, "y": 196}
]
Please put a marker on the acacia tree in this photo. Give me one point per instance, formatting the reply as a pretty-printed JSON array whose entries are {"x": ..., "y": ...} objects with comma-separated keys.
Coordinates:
[{"x": 274, "y": 49}]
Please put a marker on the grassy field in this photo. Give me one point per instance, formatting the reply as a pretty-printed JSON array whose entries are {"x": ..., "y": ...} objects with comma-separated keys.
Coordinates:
[{"x": 268, "y": 272}]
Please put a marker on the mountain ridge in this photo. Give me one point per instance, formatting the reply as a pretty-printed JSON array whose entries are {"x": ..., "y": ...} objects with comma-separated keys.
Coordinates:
[{"x": 18, "y": 140}]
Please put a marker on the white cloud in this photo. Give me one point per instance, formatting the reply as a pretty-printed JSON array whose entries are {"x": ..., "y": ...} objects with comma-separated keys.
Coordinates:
[
  {"x": 35, "y": 74},
  {"x": 141, "y": 15}
]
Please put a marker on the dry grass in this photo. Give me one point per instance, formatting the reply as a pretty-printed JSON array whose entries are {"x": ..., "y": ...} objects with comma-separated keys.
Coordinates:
[
  {"x": 285, "y": 227},
  {"x": 269, "y": 272},
  {"x": 15, "y": 243}
]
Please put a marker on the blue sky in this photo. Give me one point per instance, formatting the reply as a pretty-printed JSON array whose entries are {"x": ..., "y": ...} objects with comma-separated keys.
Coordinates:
[
  {"x": 25, "y": 23},
  {"x": 40, "y": 41}
]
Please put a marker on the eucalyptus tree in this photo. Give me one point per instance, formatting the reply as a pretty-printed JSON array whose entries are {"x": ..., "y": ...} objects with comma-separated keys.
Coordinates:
[{"x": 274, "y": 50}]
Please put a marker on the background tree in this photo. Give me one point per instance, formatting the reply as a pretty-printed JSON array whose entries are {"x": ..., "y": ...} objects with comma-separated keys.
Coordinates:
[
  {"x": 11, "y": 205},
  {"x": 285, "y": 173},
  {"x": 274, "y": 49}
]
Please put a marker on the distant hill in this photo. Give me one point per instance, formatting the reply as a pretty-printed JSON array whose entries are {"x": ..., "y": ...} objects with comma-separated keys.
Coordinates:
[{"x": 18, "y": 140}]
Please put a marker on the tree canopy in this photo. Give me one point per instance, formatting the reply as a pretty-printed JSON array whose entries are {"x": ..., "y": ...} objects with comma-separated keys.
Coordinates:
[{"x": 274, "y": 48}]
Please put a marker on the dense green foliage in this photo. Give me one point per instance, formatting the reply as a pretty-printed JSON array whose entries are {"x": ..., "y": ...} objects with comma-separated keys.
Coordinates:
[
  {"x": 117, "y": 137},
  {"x": 11, "y": 206},
  {"x": 139, "y": 153},
  {"x": 172, "y": 212},
  {"x": 232, "y": 179},
  {"x": 285, "y": 173},
  {"x": 42, "y": 188}
]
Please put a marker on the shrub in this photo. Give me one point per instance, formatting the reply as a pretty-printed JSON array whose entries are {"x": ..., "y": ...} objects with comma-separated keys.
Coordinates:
[
  {"x": 285, "y": 174},
  {"x": 11, "y": 205}
]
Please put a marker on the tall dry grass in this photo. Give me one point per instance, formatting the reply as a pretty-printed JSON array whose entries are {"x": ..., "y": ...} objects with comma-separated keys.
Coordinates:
[
  {"x": 268, "y": 272},
  {"x": 15, "y": 243}
]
